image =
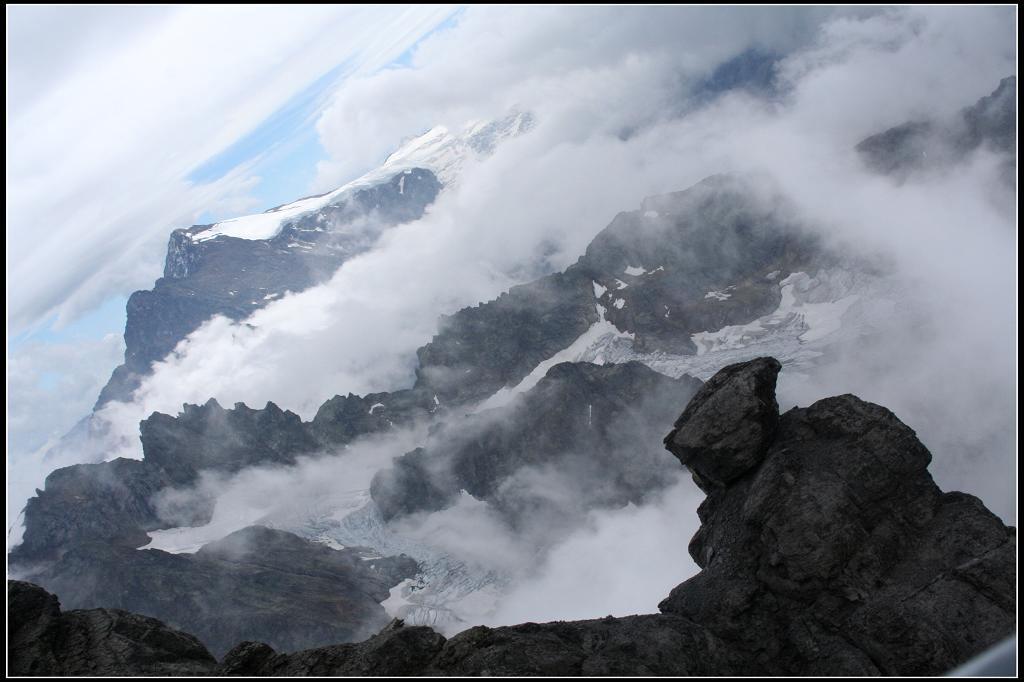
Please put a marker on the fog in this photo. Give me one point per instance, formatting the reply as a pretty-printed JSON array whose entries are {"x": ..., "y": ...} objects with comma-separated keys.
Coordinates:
[{"x": 614, "y": 127}]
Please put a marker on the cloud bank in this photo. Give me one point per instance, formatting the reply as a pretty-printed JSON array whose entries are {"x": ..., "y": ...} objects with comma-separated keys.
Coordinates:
[
  {"x": 110, "y": 110},
  {"x": 615, "y": 125}
]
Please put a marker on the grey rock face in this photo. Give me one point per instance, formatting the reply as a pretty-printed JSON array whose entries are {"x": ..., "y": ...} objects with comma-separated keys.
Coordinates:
[
  {"x": 727, "y": 427},
  {"x": 235, "y": 277},
  {"x": 42, "y": 641},
  {"x": 256, "y": 583},
  {"x": 656, "y": 270},
  {"x": 109, "y": 502},
  {"x": 210, "y": 437},
  {"x": 840, "y": 541},
  {"x": 480, "y": 349},
  {"x": 581, "y": 421}
]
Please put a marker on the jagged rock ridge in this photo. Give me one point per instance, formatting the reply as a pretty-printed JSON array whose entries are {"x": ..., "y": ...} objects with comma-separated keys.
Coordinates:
[{"x": 918, "y": 145}]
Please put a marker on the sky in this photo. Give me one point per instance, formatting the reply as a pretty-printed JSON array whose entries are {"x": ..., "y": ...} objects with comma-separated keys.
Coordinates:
[
  {"x": 124, "y": 123},
  {"x": 111, "y": 144}
]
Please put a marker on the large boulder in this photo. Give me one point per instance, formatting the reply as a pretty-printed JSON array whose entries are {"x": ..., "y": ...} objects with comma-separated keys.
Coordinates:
[
  {"x": 727, "y": 427},
  {"x": 837, "y": 553}
]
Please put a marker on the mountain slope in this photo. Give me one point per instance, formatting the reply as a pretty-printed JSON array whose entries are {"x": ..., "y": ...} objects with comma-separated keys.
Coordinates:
[{"x": 238, "y": 266}]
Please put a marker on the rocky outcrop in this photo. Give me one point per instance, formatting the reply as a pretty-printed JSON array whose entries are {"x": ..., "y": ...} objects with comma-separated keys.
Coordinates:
[
  {"x": 211, "y": 437},
  {"x": 833, "y": 552},
  {"x": 727, "y": 427},
  {"x": 840, "y": 541},
  {"x": 43, "y": 641},
  {"x": 256, "y": 583}
]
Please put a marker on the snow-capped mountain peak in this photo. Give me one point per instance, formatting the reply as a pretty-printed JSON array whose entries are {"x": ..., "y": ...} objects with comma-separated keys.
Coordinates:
[{"x": 438, "y": 150}]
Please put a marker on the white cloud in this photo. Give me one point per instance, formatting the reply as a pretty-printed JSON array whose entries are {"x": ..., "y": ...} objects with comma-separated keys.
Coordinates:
[
  {"x": 53, "y": 386},
  {"x": 533, "y": 207},
  {"x": 99, "y": 150},
  {"x": 620, "y": 562}
]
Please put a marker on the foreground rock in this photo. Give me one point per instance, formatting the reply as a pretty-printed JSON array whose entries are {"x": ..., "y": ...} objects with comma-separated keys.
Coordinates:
[
  {"x": 727, "y": 427},
  {"x": 832, "y": 553},
  {"x": 840, "y": 541},
  {"x": 43, "y": 641}
]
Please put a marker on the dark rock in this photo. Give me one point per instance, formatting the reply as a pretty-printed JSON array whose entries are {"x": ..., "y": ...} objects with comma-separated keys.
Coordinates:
[
  {"x": 395, "y": 651},
  {"x": 480, "y": 349},
  {"x": 341, "y": 420},
  {"x": 633, "y": 646},
  {"x": 722, "y": 234},
  {"x": 841, "y": 542},
  {"x": 727, "y": 427},
  {"x": 582, "y": 422},
  {"x": 245, "y": 659},
  {"x": 834, "y": 554},
  {"x": 255, "y": 584},
  {"x": 210, "y": 437},
  {"x": 110, "y": 501},
  {"x": 42, "y": 641},
  {"x": 115, "y": 501},
  {"x": 992, "y": 120}
]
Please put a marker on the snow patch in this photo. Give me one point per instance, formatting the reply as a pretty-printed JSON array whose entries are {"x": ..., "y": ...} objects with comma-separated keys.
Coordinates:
[
  {"x": 720, "y": 295},
  {"x": 806, "y": 320},
  {"x": 634, "y": 271},
  {"x": 375, "y": 406},
  {"x": 619, "y": 303},
  {"x": 599, "y": 290}
]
